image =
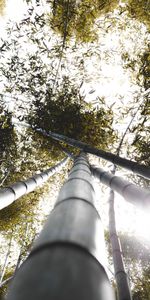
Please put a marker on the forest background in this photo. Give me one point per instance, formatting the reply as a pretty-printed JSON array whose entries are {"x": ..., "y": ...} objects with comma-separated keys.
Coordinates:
[{"x": 80, "y": 68}]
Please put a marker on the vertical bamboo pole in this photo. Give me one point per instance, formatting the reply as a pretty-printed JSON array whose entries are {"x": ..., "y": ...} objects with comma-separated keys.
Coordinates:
[
  {"x": 123, "y": 288},
  {"x": 66, "y": 261}
]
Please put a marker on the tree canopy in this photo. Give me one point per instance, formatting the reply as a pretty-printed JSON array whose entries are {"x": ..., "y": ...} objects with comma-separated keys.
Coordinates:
[
  {"x": 140, "y": 10},
  {"x": 67, "y": 113},
  {"x": 73, "y": 18}
]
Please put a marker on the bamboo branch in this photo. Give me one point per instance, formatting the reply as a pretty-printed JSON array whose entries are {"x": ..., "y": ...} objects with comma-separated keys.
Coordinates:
[
  {"x": 4, "y": 178},
  {"x": 5, "y": 281}
]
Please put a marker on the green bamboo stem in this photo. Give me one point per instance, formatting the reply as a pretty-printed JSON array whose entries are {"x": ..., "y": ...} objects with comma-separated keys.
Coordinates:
[
  {"x": 132, "y": 193},
  {"x": 66, "y": 261},
  {"x": 123, "y": 287},
  {"x": 12, "y": 193},
  {"x": 130, "y": 165}
]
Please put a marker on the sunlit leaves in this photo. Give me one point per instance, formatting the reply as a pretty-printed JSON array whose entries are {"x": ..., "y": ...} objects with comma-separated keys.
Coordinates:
[
  {"x": 8, "y": 143},
  {"x": 140, "y": 9},
  {"x": 145, "y": 68},
  {"x": 6, "y": 128},
  {"x": 2, "y": 6},
  {"x": 142, "y": 285},
  {"x": 142, "y": 128},
  {"x": 141, "y": 141},
  {"x": 73, "y": 18},
  {"x": 66, "y": 113}
]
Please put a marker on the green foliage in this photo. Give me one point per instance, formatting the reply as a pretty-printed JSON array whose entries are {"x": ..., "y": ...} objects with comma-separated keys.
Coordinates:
[
  {"x": 7, "y": 275},
  {"x": 142, "y": 285},
  {"x": 142, "y": 148},
  {"x": 140, "y": 9},
  {"x": 8, "y": 143},
  {"x": 136, "y": 257},
  {"x": 20, "y": 157},
  {"x": 66, "y": 113},
  {"x": 145, "y": 68},
  {"x": 6, "y": 130},
  {"x": 72, "y": 18},
  {"x": 141, "y": 65},
  {"x": 142, "y": 132},
  {"x": 128, "y": 62},
  {"x": 2, "y": 6},
  {"x": 18, "y": 214}
]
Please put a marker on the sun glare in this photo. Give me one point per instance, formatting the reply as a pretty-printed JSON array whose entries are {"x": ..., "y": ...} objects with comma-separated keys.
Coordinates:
[
  {"x": 142, "y": 225},
  {"x": 132, "y": 220},
  {"x": 15, "y": 9},
  {"x": 129, "y": 219}
]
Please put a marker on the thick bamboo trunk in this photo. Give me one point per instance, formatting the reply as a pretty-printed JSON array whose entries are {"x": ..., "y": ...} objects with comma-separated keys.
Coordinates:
[
  {"x": 10, "y": 194},
  {"x": 130, "y": 165},
  {"x": 67, "y": 259},
  {"x": 120, "y": 274},
  {"x": 132, "y": 193}
]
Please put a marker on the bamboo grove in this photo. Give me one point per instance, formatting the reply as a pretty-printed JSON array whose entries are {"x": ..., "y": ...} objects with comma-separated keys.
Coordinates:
[{"x": 74, "y": 74}]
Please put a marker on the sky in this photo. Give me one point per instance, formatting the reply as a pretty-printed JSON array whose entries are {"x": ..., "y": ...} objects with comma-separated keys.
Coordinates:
[{"x": 14, "y": 11}]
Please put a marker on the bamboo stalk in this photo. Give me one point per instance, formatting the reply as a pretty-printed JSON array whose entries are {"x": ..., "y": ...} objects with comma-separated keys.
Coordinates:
[
  {"x": 130, "y": 165},
  {"x": 123, "y": 288},
  {"x": 66, "y": 261},
  {"x": 132, "y": 193},
  {"x": 10, "y": 194}
]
